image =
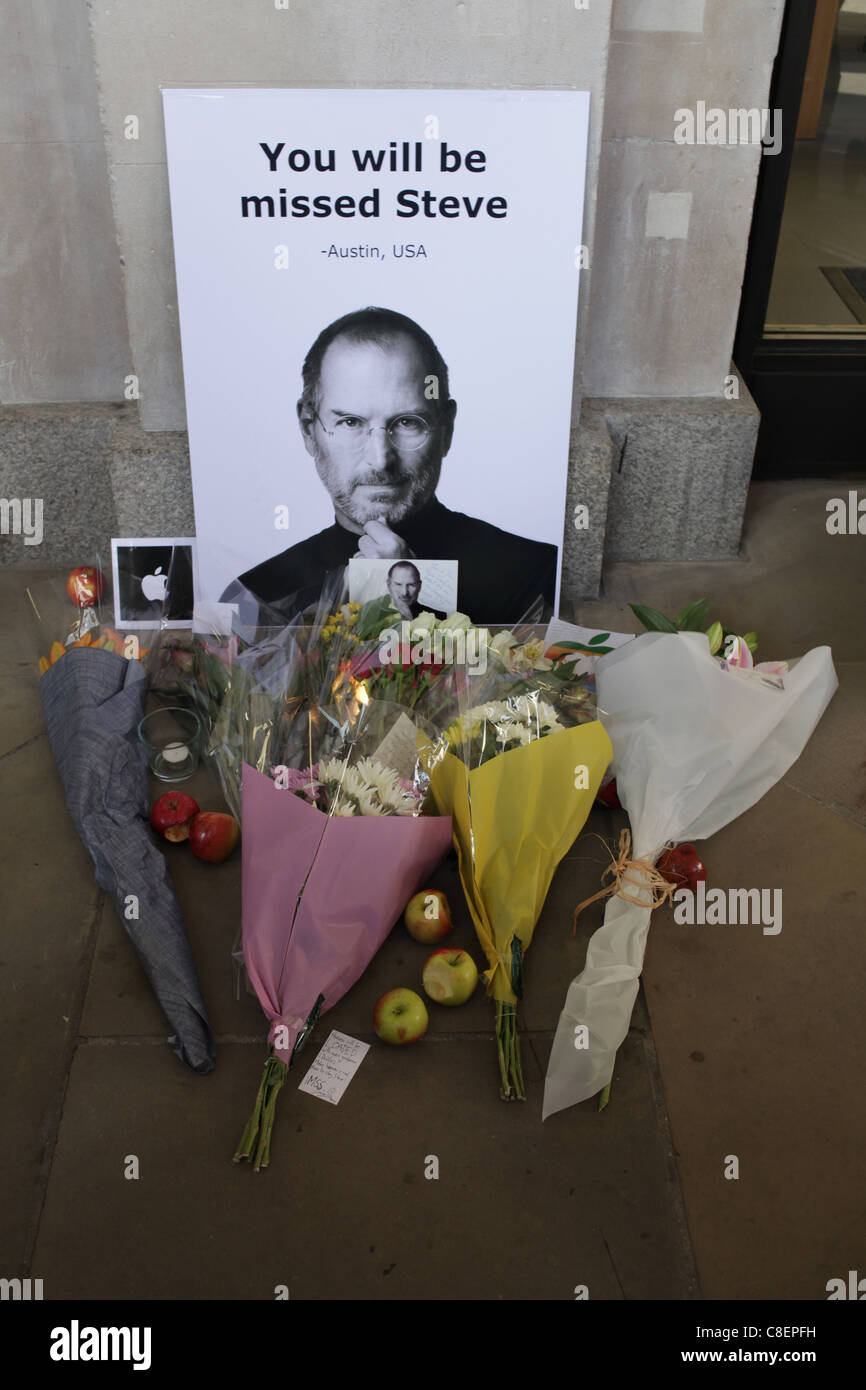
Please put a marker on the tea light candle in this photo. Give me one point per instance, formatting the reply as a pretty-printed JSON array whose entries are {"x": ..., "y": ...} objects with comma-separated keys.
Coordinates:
[{"x": 175, "y": 753}]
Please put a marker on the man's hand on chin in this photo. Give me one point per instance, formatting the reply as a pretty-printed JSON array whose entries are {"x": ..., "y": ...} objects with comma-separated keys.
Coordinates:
[{"x": 379, "y": 542}]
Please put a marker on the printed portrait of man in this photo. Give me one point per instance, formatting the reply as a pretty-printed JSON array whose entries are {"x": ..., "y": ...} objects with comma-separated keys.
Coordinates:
[
  {"x": 404, "y": 586},
  {"x": 377, "y": 419}
]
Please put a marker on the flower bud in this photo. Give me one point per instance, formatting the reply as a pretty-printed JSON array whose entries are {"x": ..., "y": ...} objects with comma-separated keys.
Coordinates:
[{"x": 737, "y": 653}]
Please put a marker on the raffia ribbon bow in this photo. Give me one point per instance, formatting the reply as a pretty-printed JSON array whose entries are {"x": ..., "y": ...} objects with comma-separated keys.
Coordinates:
[{"x": 622, "y": 870}]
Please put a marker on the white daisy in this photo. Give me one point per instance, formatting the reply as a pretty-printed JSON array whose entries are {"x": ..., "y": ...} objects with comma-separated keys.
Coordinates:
[{"x": 368, "y": 804}]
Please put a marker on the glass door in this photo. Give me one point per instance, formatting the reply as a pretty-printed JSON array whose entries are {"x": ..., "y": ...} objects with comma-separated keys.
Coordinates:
[{"x": 801, "y": 342}]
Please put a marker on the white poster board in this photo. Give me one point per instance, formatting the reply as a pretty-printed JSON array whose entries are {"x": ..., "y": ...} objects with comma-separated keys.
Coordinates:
[{"x": 470, "y": 227}]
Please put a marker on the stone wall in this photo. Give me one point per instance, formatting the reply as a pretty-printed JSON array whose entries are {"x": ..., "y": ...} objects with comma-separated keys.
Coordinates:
[
  {"x": 63, "y": 333},
  {"x": 313, "y": 43},
  {"x": 673, "y": 219},
  {"x": 88, "y": 294}
]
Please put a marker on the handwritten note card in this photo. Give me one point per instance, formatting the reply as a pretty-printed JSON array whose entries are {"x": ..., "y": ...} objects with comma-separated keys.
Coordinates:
[
  {"x": 334, "y": 1067},
  {"x": 399, "y": 748}
]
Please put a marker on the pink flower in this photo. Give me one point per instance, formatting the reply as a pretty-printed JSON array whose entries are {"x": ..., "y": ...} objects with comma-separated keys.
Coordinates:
[
  {"x": 226, "y": 652},
  {"x": 303, "y": 781},
  {"x": 737, "y": 653}
]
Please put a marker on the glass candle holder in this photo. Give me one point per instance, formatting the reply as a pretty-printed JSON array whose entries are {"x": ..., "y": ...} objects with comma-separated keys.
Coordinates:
[{"x": 172, "y": 738}]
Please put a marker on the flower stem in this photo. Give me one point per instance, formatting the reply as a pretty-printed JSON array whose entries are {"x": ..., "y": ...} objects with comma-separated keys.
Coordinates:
[
  {"x": 508, "y": 1048},
  {"x": 256, "y": 1138}
]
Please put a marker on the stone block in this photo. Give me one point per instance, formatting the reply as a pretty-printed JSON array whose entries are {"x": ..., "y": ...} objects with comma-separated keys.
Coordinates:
[
  {"x": 98, "y": 473},
  {"x": 59, "y": 453},
  {"x": 48, "y": 91},
  {"x": 590, "y": 458},
  {"x": 662, "y": 312},
  {"x": 64, "y": 329},
  {"x": 660, "y": 63},
  {"x": 660, "y": 16},
  {"x": 150, "y": 479},
  {"x": 678, "y": 488},
  {"x": 144, "y": 228}
]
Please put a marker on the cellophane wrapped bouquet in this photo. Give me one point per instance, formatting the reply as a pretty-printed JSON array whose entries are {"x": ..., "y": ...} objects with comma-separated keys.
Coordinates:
[
  {"x": 338, "y": 828},
  {"x": 518, "y": 770}
]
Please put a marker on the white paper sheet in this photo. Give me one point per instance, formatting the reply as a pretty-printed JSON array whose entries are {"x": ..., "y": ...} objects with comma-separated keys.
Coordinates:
[{"x": 334, "y": 1067}]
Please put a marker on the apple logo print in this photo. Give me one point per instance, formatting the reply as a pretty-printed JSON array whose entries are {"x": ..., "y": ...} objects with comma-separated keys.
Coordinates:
[{"x": 153, "y": 586}]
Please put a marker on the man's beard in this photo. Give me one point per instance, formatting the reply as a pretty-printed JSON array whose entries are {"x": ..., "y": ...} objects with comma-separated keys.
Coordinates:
[
  {"x": 405, "y": 606},
  {"x": 416, "y": 490}
]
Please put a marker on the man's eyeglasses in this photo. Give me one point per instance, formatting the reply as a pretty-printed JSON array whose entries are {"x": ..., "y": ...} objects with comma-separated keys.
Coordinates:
[{"x": 351, "y": 433}]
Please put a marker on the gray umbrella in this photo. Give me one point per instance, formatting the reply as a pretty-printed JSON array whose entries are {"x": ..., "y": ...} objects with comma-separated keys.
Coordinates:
[{"x": 93, "y": 701}]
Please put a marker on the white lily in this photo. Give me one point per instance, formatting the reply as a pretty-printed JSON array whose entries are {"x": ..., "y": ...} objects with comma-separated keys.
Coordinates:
[{"x": 455, "y": 622}]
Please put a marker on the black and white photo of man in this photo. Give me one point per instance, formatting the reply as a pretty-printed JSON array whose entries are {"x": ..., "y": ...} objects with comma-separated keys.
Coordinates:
[
  {"x": 377, "y": 419},
  {"x": 404, "y": 586}
]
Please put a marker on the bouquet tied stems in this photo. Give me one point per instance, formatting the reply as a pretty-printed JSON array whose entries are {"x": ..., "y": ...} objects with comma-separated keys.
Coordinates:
[
  {"x": 508, "y": 1046},
  {"x": 507, "y": 1036},
  {"x": 255, "y": 1142}
]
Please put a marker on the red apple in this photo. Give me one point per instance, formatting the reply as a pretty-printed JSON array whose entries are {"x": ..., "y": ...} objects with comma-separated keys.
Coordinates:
[
  {"x": 682, "y": 866},
  {"x": 450, "y": 976},
  {"x": 400, "y": 1017},
  {"x": 607, "y": 795},
  {"x": 172, "y": 814},
  {"x": 85, "y": 586},
  {"x": 428, "y": 916},
  {"x": 213, "y": 835}
]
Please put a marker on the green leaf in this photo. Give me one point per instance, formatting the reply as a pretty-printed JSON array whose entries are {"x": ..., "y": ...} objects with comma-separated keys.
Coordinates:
[
  {"x": 714, "y": 637},
  {"x": 307, "y": 1028},
  {"x": 694, "y": 616},
  {"x": 599, "y": 637},
  {"x": 517, "y": 966},
  {"x": 374, "y": 617},
  {"x": 652, "y": 620},
  {"x": 583, "y": 647}
]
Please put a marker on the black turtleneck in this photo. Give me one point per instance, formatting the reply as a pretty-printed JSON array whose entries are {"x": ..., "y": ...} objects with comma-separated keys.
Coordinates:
[{"x": 499, "y": 576}]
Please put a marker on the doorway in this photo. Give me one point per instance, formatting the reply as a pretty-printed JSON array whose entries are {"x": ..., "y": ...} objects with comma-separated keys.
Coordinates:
[{"x": 801, "y": 337}]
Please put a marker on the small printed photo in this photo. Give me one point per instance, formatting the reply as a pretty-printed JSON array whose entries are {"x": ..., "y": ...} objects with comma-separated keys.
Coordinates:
[
  {"x": 415, "y": 586},
  {"x": 153, "y": 581}
]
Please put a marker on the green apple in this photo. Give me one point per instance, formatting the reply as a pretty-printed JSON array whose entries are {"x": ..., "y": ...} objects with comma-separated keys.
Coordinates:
[
  {"x": 400, "y": 1017},
  {"x": 428, "y": 916},
  {"x": 450, "y": 975}
]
